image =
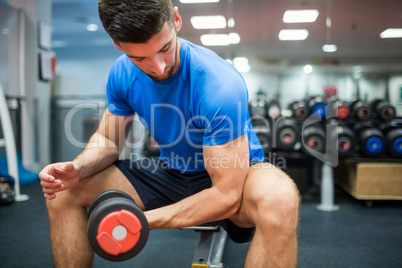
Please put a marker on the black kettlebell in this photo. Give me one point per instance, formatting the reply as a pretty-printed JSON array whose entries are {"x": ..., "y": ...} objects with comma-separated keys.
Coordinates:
[{"x": 117, "y": 227}]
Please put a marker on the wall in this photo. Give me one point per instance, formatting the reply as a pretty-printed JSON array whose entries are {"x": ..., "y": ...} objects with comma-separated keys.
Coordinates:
[
  {"x": 36, "y": 110},
  {"x": 268, "y": 83},
  {"x": 92, "y": 73},
  {"x": 9, "y": 54}
]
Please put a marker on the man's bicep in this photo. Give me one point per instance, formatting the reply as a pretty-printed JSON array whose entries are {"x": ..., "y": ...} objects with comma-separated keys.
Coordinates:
[
  {"x": 115, "y": 127},
  {"x": 228, "y": 163}
]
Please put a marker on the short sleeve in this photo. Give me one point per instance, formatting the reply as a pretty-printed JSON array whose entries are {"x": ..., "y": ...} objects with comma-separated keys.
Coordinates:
[
  {"x": 116, "y": 89},
  {"x": 224, "y": 112}
]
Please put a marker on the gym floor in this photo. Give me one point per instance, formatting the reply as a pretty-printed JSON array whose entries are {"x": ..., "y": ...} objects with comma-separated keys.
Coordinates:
[{"x": 353, "y": 236}]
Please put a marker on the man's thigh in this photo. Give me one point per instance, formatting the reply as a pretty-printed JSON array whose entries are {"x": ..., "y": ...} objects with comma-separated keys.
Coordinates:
[
  {"x": 158, "y": 185},
  {"x": 110, "y": 178}
]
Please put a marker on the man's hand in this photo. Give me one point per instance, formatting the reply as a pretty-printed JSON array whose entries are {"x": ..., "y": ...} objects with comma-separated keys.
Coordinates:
[{"x": 58, "y": 177}]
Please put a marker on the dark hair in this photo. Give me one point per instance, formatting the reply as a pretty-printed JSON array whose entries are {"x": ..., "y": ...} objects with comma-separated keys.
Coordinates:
[{"x": 135, "y": 21}]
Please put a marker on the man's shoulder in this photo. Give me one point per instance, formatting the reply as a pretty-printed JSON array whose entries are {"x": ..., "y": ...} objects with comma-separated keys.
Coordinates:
[
  {"x": 210, "y": 69},
  {"x": 205, "y": 60},
  {"x": 122, "y": 63},
  {"x": 122, "y": 71}
]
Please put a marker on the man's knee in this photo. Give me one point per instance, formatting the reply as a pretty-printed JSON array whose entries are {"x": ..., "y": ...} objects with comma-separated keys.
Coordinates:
[
  {"x": 276, "y": 197},
  {"x": 64, "y": 200},
  {"x": 77, "y": 196},
  {"x": 85, "y": 191}
]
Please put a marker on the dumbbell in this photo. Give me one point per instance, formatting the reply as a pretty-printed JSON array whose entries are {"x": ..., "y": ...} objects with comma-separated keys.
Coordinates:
[
  {"x": 273, "y": 109},
  {"x": 316, "y": 106},
  {"x": 339, "y": 109},
  {"x": 360, "y": 110},
  {"x": 298, "y": 109},
  {"x": 117, "y": 227},
  {"x": 287, "y": 133},
  {"x": 372, "y": 141},
  {"x": 258, "y": 107},
  {"x": 393, "y": 133},
  {"x": 263, "y": 131},
  {"x": 314, "y": 139},
  {"x": 383, "y": 109},
  {"x": 344, "y": 140}
]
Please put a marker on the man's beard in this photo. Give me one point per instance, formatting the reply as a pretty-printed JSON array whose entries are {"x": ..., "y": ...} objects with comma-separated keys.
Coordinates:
[{"x": 169, "y": 73}]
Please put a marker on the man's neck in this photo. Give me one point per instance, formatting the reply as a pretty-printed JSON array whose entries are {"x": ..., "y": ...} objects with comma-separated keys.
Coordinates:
[{"x": 178, "y": 47}]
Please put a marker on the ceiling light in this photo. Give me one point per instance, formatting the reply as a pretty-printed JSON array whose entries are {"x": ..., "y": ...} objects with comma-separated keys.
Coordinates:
[
  {"x": 198, "y": 1},
  {"x": 220, "y": 39},
  {"x": 241, "y": 64},
  {"x": 287, "y": 35},
  {"x": 92, "y": 27},
  {"x": 231, "y": 22},
  {"x": 234, "y": 38},
  {"x": 208, "y": 22},
  {"x": 392, "y": 33},
  {"x": 308, "y": 69},
  {"x": 215, "y": 40},
  {"x": 299, "y": 16},
  {"x": 329, "y": 48}
]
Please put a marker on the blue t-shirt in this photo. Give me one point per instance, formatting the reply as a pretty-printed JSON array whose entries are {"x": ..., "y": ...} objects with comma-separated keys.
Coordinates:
[{"x": 204, "y": 103}]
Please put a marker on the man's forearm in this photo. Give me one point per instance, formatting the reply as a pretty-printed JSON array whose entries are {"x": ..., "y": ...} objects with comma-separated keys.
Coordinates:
[
  {"x": 220, "y": 201},
  {"x": 98, "y": 154},
  {"x": 206, "y": 206}
]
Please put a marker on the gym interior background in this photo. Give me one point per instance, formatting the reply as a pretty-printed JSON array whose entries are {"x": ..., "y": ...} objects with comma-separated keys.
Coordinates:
[{"x": 327, "y": 107}]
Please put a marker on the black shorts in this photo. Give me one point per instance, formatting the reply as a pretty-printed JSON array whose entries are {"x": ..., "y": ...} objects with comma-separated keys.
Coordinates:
[{"x": 158, "y": 185}]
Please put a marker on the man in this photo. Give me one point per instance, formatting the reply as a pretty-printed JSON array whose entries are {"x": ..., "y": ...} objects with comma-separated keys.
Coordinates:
[{"x": 195, "y": 106}]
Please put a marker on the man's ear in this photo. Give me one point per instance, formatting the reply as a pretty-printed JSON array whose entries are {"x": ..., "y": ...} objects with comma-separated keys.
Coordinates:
[
  {"x": 117, "y": 46},
  {"x": 177, "y": 19}
]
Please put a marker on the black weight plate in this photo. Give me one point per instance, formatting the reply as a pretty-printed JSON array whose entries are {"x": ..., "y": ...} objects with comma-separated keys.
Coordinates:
[
  {"x": 316, "y": 143},
  {"x": 346, "y": 147},
  {"x": 363, "y": 113},
  {"x": 387, "y": 112},
  {"x": 374, "y": 104},
  {"x": 107, "y": 207},
  {"x": 106, "y": 195},
  {"x": 264, "y": 141},
  {"x": 346, "y": 137},
  {"x": 287, "y": 138}
]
